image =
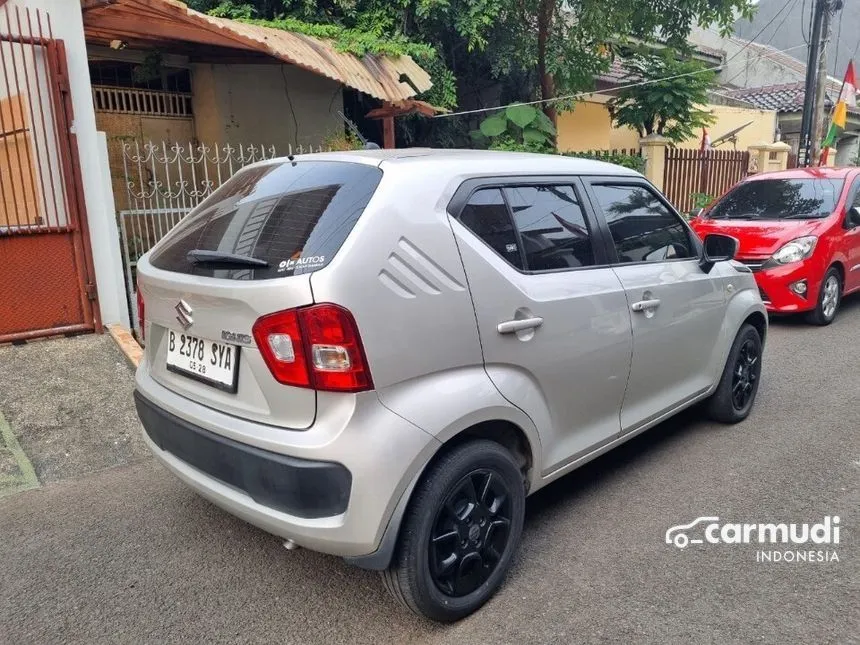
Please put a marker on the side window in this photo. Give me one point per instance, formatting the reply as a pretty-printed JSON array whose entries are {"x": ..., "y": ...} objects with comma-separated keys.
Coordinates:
[
  {"x": 486, "y": 215},
  {"x": 856, "y": 194},
  {"x": 552, "y": 227},
  {"x": 642, "y": 228}
]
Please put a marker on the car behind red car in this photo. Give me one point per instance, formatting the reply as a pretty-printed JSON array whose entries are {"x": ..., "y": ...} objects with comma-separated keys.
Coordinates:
[{"x": 799, "y": 233}]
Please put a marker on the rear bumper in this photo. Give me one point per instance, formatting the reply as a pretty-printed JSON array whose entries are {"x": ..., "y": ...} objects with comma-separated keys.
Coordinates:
[
  {"x": 299, "y": 487},
  {"x": 331, "y": 488},
  {"x": 775, "y": 287}
]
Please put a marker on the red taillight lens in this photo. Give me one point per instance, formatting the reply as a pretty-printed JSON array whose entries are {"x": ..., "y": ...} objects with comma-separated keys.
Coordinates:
[
  {"x": 280, "y": 342},
  {"x": 334, "y": 349},
  {"x": 317, "y": 347},
  {"x": 141, "y": 314}
]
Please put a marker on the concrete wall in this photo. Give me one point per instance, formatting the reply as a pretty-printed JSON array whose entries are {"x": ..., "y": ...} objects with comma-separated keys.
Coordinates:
[
  {"x": 744, "y": 67},
  {"x": 67, "y": 24},
  {"x": 588, "y": 127},
  {"x": 264, "y": 104},
  {"x": 120, "y": 128}
]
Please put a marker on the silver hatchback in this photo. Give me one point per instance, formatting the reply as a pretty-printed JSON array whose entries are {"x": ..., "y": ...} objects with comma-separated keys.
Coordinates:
[{"x": 380, "y": 354}]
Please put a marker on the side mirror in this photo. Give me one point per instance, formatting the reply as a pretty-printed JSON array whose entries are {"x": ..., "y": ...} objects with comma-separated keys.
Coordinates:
[
  {"x": 717, "y": 248},
  {"x": 852, "y": 217}
]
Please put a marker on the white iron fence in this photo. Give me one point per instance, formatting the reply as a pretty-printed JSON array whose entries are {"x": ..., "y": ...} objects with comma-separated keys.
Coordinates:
[{"x": 164, "y": 181}]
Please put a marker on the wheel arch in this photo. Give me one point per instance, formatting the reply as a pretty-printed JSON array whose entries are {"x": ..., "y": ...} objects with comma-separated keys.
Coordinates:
[
  {"x": 758, "y": 320},
  {"x": 499, "y": 430},
  {"x": 840, "y": 267}
]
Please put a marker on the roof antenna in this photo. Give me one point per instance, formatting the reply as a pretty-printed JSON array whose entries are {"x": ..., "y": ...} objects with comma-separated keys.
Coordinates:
[{"x": 367, "y": 145}]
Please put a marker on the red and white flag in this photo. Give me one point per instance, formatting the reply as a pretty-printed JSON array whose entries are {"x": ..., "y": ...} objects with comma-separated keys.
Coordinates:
[
  {"x": 849, "y": 87},
  {"x": 706, "y": 140}
]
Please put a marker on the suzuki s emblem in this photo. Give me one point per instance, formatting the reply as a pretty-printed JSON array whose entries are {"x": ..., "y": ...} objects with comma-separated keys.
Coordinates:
[{"x": 184, "y": 314}]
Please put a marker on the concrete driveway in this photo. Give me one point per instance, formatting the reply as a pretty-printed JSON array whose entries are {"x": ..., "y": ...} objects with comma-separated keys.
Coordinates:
[{"x": 130, "y": 555}]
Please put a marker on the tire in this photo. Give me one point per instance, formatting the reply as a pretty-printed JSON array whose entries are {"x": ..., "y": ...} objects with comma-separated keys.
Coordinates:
[
  {"x": 741, "y": 376},
  {"x": 829, "y": 299},
  {"x": 482, "y": 535}
]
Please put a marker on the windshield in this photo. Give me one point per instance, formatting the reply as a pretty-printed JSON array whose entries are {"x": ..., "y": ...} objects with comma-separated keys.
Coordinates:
[{"x": 779, "y": 199}]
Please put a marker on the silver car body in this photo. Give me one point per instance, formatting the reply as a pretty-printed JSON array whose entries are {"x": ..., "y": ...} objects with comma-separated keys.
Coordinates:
[{"x": 428, "y": 297}]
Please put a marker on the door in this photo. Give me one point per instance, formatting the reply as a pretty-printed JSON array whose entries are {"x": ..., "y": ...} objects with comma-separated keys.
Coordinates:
[
  {"x": 552, "y": 316},
  {"x": 851, "y": 241},
  {"x": 677, "y": 309}
]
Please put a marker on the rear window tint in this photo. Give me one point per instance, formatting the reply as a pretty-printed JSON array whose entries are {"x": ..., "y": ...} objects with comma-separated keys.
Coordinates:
[{"x": 294, "y": 216}]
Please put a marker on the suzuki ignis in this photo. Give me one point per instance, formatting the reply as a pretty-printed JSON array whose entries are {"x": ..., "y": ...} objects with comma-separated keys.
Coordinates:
[{"x": 380, "y": 354}]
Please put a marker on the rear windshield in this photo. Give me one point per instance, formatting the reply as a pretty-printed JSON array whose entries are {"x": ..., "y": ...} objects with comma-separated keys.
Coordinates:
[
  {"x": 271, "y": 221},
  {"x": 779, "y": 199}
]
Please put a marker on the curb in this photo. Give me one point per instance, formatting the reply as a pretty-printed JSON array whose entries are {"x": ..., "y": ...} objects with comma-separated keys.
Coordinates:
[{"x": 127, "y": 344}]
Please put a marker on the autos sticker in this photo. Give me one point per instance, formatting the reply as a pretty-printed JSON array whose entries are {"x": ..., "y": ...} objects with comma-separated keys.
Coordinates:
[{"x": 310, "y": 262}]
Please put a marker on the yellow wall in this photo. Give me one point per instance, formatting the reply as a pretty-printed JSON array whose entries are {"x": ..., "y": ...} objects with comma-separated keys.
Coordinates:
[{"x": 588, "y": 127}]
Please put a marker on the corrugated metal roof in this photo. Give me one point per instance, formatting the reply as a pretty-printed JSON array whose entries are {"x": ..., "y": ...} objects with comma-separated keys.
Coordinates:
[
  {"x": 787, "y": 97},
  {"x": 376, "y": 75}
]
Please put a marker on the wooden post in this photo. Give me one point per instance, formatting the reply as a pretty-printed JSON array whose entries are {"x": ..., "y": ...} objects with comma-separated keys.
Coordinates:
[{"x": 388, "y": 132}]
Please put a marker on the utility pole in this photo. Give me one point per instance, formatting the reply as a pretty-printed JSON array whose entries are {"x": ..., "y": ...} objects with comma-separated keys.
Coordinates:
[
  {"x": 805, "y": 151},
  {"x": 818, "y": 116}
]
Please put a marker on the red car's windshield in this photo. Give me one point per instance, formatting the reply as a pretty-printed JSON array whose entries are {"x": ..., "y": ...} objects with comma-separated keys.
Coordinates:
[{"x": 774, "y": 199}]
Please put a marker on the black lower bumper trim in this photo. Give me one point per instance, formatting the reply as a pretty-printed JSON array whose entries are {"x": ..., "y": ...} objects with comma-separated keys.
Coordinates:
[{"x": 300, "y": 487}]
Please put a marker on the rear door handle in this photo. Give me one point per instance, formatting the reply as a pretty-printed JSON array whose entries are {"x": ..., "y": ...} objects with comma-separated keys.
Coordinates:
[
  {"x": 513, "y": 326},
  {"x": 645, "y": 305}
]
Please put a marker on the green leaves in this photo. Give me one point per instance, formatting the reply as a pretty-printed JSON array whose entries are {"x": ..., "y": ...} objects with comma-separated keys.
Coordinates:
[
  {"x": 518, "y": 125},
  {"x": 544, "y": 124},
  {"x": 521, "y": 115},
  {"x": 669, "y": 104},
  {"x": 533, "y": 135},
  {"x": 494, "y": 126}
]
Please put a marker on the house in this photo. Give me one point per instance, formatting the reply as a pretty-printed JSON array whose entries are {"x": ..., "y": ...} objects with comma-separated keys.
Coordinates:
[
  {"x": 88, "y": 78},
  {"x": 165, "y": 73},
  {"x": 787, "y": 100},
  {"x": 589, "y": 126},
  {"x": 770, "y": 79}
]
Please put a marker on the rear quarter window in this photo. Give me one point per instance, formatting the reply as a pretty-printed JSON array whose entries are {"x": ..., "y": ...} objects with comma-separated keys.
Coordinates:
[{"x": 294, "y": 216}]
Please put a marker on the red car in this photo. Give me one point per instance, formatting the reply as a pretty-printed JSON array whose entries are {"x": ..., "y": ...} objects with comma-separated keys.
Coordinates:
[{"x": 799, "y": 233}]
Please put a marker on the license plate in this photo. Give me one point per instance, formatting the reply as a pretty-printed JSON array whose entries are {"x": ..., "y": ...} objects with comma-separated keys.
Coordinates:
[{"x": 216, "y": 364}]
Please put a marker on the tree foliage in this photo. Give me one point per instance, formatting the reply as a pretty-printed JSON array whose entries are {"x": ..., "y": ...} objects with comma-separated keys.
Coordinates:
[
  {"x": 517, "y": 124},
  {"x": 670, "y": 103},
  {"x": 498, "y": 50}
]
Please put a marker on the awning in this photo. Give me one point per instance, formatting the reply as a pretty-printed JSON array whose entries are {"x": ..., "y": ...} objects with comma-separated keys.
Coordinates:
[{"x": 153, "y": 23}]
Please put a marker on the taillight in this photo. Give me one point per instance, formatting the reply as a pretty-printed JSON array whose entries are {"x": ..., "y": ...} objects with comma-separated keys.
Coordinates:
[
  {"x": 141, "y": 314},
  {"x": 317, "y": 347},
  {"x": 280, "y": 342}
]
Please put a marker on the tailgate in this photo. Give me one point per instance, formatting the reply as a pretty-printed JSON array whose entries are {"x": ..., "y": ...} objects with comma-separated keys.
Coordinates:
[
  {"x": 247, "y": 251},
  {"x": 223, "y": 312}
]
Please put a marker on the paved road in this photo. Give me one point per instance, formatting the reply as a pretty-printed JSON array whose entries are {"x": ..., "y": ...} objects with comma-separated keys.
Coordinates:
[{"x": 129, "y": 555}]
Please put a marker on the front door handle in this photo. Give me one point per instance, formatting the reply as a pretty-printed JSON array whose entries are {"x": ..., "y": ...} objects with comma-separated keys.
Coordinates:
[
  {"x": 513, "y": 326},
  {"x": 645, "y": 305}
]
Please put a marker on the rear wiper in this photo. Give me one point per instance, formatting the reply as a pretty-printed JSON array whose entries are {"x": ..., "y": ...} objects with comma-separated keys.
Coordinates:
[{"x": 202, "y": 256}]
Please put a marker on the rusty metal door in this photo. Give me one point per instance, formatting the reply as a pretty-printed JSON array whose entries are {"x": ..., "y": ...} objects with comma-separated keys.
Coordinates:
[{"x": 47, "y": 282}]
